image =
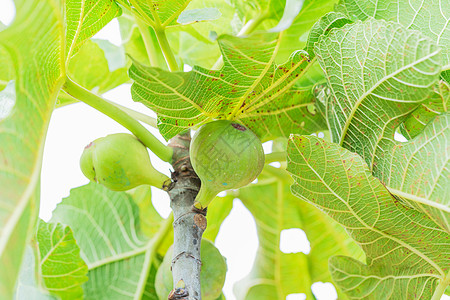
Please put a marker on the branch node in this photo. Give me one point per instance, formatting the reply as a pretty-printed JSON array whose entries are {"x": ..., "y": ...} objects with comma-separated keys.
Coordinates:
[
  {"x": 178, "y": 294},
  {"x": 187, "y": 255},
  {"x": 180, "y": 218},
  {"x": 200, "y": 211}
]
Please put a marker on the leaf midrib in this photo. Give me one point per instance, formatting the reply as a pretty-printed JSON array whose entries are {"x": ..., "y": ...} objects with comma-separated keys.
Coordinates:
[{"x": 264, "y": 72}]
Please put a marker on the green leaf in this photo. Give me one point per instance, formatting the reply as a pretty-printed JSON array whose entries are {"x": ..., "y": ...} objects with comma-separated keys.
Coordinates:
[
  {"x": 269, "y": 9},
  {"x": 7, "y": 72},
  {"x": 406, "y": 252},
  {"x": 97, "y": 69},
  {"x": 60, "y": 264},
  {"x": 199, "y": 14},
  {"x": 430, "y": 18},
  {"x": 430, "y": 108},
  {"x": 323, "y": 26},
  {"x": 98, "y": 66},
  {"x": 39, "y": 74},
  {"x": 27, "y": 287},
  {"x": 295, "y": 37},
  {"x": 419, "y": 171},
  {"x": 194, "y": 44},
  {"x": 276, "y": 274},
  {"x": 85, "y": 18},
  {"x": 122, "y": 261},
  {"x": 378, "y": 73},
  {"x": 149, "y": 218},
  {"x": 218, "y": 210},
  {"x": 249, "y": 88},
  {"x": 7, "y": 100},
  {"x": 132, "y": 41},
  {"x": 159, "y": 13},
  {"x": 115, "y": 55}
]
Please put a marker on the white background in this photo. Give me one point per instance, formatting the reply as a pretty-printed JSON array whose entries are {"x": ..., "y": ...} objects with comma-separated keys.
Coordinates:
[{"x": 74, "y": 126}]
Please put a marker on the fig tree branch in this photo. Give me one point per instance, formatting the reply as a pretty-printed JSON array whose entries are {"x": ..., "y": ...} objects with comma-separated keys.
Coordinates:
[
  {"x": 189, "y": 224},
  {"x": 149, "y": 140}
]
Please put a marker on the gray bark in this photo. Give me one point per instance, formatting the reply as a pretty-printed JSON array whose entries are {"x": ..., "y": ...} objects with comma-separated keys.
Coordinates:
[{"x": 189, "y": 224}]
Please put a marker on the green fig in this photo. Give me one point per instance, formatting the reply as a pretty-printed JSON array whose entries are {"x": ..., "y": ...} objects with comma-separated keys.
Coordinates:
[
  {"x": 225, "y": 155},
  {"x": 212, "y": 274},
  {"x": 120, "y": 162}
]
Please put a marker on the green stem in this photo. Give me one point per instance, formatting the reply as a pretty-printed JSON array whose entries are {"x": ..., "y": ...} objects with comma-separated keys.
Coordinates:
[
  {"x": 279, "y": 173},
  {"x": 149, "y": 140},
  {"x": 165, "y": 47},
  {"x": 158, "y": 179},
  {"x": 148, "y": 42},
  {"x": 275, "y": 156},
  {"x": 204, "y": 197},
  {"x": 136, "y": 115},
  {"x": 141, "y": 13},
  {"x": 253, "y": 24}
]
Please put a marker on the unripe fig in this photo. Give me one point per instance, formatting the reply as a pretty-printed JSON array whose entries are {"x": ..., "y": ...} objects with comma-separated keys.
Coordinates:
[
  {"x": 212, "y": 274},
  {"x": 120, "y": 162},
  {"x": 225, "y": 155}
]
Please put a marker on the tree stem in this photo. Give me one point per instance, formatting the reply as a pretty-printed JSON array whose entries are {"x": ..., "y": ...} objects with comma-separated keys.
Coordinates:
[
  {"x": 188, "y": 226},
  {"x": 149, "y": 140}
]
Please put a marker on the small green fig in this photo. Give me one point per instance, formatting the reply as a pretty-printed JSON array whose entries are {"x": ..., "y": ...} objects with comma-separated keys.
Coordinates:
[
  {"x": 225, "y": 155},
  {"x": 120, "y": 162},
  {"x": 212, "y": 274}
]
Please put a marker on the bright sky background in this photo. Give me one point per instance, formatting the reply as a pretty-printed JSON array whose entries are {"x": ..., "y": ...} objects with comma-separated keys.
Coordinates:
[{"x": 74, "y": 126}]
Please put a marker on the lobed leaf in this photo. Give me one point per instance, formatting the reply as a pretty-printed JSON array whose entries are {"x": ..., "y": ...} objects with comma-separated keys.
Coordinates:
[
  {"x": 276, "y": 274},
  {"x": 38, "y": 59},
  {"x": 430, "y": 108},
  {"x": 61, "y": 267},
  {"x": 418, "y": 171},
  {"x": 122, "y": 261},
  {"x": 218, "y": 210},
  {"x": 249, "y": 88},
  {"x": 84, "y": 18},
  {"x": 157, "y": 13},
  {"x": 98, "y": 66},
  {"x": 323, "y": 26},
  {"x": 406, "y": 252},
  {"x": 378, "y": 73},
  {"x": 295, "y": 37},
  {"x": 194, "y": 44},
  {"x": 27, "y": 287},
  {"x": 429, "y": 17}
]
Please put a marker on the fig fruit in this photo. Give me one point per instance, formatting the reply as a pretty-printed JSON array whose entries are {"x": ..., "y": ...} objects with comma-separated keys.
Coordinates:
[
  {"x": 212, "y": 274},
  {"x": 225, "y": 155},
  {"x": 120, "y": 162}
]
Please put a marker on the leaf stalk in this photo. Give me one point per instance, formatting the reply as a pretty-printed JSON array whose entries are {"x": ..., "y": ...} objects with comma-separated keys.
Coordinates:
[{"x": 149, "y": 140}]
